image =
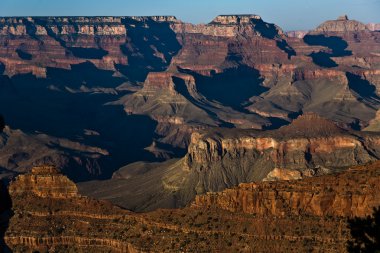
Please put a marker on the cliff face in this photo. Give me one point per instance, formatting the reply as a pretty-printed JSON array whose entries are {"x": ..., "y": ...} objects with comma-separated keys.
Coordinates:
[
  {"x": 333, "y": 195},
  {"x": 307, "y": 144},
  {"x": 342, "y": 24},
  {"x": 306, "y": 215},
  {"x": 60, "y": 42},
  {"x": 373, "y": 27},
  {"x": 45, "y": 182},
  {"x": 47, "y": 203},
  {"x": 223, "y": 158},
  {"x": 21, "y": 150}
]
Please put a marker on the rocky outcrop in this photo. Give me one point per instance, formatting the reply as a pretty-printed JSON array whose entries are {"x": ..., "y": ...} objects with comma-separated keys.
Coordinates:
[
  {"x": 21, "y": 151},
  {"x": 373, "y": 27},
  {"x": 93, "y": 244},
  {"x": 310, "y": 141},
  {"x": 342, "y": 24},
  {"x": 223, "y": 158},
  {"x": 63, "y": 41},
  {"x": 45, "y": 194},
  {"x": 349, "y": 194},
  {"x": 45, "y": 182},
  {"x": 296, "y": 34},
  {"x": 229, "y": 26},
  {"x": 306, "y": 215}
]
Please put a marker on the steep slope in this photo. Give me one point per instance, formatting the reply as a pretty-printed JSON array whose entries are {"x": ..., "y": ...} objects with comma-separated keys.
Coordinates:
[
  {"x": 224, "y": 158},
  {"x": 139, "y": 87},
  {"x": 293, "y": 216},
  {"x": 57, "y": 76},
  {"x": 340, "y": 82},
  {"x": 20, "y": 151},
  {"x": 333, "y": 195}
]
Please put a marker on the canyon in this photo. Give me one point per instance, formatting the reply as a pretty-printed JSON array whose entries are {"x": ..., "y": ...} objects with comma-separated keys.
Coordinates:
[
  {"x": 223, "y": 158},
  {"x": 283, "y": 216},
  {"x": 248, "y": 136},
  {"x": 162, "y": 80}
]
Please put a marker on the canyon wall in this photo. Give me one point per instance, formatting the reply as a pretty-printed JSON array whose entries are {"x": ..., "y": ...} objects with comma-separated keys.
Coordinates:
[
  {"x": 286, "y": 216},
  {"x": 340, "y": 195}
]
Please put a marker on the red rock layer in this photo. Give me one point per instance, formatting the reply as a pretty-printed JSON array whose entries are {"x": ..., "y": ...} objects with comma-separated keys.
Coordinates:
[{"x": 348, "y": 194}]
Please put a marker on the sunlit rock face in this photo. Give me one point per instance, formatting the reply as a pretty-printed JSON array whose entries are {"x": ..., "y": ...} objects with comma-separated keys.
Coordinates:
[
  {"x": 308, "y": 147},
  {"x": 373, "y": 27},
  {"x": 285, "y": 216},
  {"x": 334, "y": 195},
  {"x": 46, "y": 182},
  {"x": 342, "y": 24}
]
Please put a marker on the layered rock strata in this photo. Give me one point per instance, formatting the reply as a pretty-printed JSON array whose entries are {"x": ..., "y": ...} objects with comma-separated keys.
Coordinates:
[
  {"x": 306, "y": 215},
  {"x": 349, "y": 194},
  {"x": 311, "y": 146}
]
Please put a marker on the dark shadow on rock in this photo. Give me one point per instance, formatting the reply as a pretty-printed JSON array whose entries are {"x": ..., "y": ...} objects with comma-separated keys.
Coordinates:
[
  {"x": 267, "y": 30},
  {"x": 233, "y": 87},
  {"x": 181, "y": 88},
  {"x": 270, "y": 31},
  {"x": 2, "y": 123},
  {"x": 80, "y": 52},
  {"x": 336, "y": 45},
  {"x": 323, "y": 59},
  {"x": 125, "y": 137},
  {"x": 44, "y": 22},
  {"x": 284, "y": 46},
  {"x": 146, "y": 40},
  {"x": 362, "y": 87},
  {"x": 37, "y": 106},
  {"x": 5, "y": 215},
  {"x": 365, "y": 233},
  {"x": 2, "y": 68},
  {"x": 275, "y": 123},
  {"x": 31, "y": 28},
  {"x": 83, "y": 74},
  {"x": 24, "y": 55},
  {"x": 88, "y": 53},
  {"x": 355, "y": 125},
  {"x": 32, "y": 104}
]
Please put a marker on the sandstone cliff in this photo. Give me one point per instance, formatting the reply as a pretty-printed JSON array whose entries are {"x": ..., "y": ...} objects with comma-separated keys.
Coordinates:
[
  {"x": 45, "y": 181},
  {"x": 348, "y": 194},
  {"x": 292, "y": 216},
  {"x": 309, "y": 142}
]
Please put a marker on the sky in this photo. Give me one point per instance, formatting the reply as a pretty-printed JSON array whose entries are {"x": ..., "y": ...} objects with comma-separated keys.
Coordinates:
[{"x": 288, "y": 14}]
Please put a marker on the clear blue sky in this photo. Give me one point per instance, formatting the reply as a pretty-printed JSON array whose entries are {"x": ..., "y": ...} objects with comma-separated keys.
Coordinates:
[{"x": 289, "y": 14}]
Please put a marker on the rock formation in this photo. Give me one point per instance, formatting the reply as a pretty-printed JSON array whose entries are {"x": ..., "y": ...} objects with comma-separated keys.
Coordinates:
[
  {"x": 297, "y": 34},
  {"x": 20, "y": 151},
  {"x": 343, "y": 195},
  {"x": 292, "y": 216},
  {"x": 310, "y": 146},
  {"x": 342, "y": 24},
  {"x": 45, "y": 182},
  {"x": 373, "y": 27},
  {"x": 168, "y": 84}
]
